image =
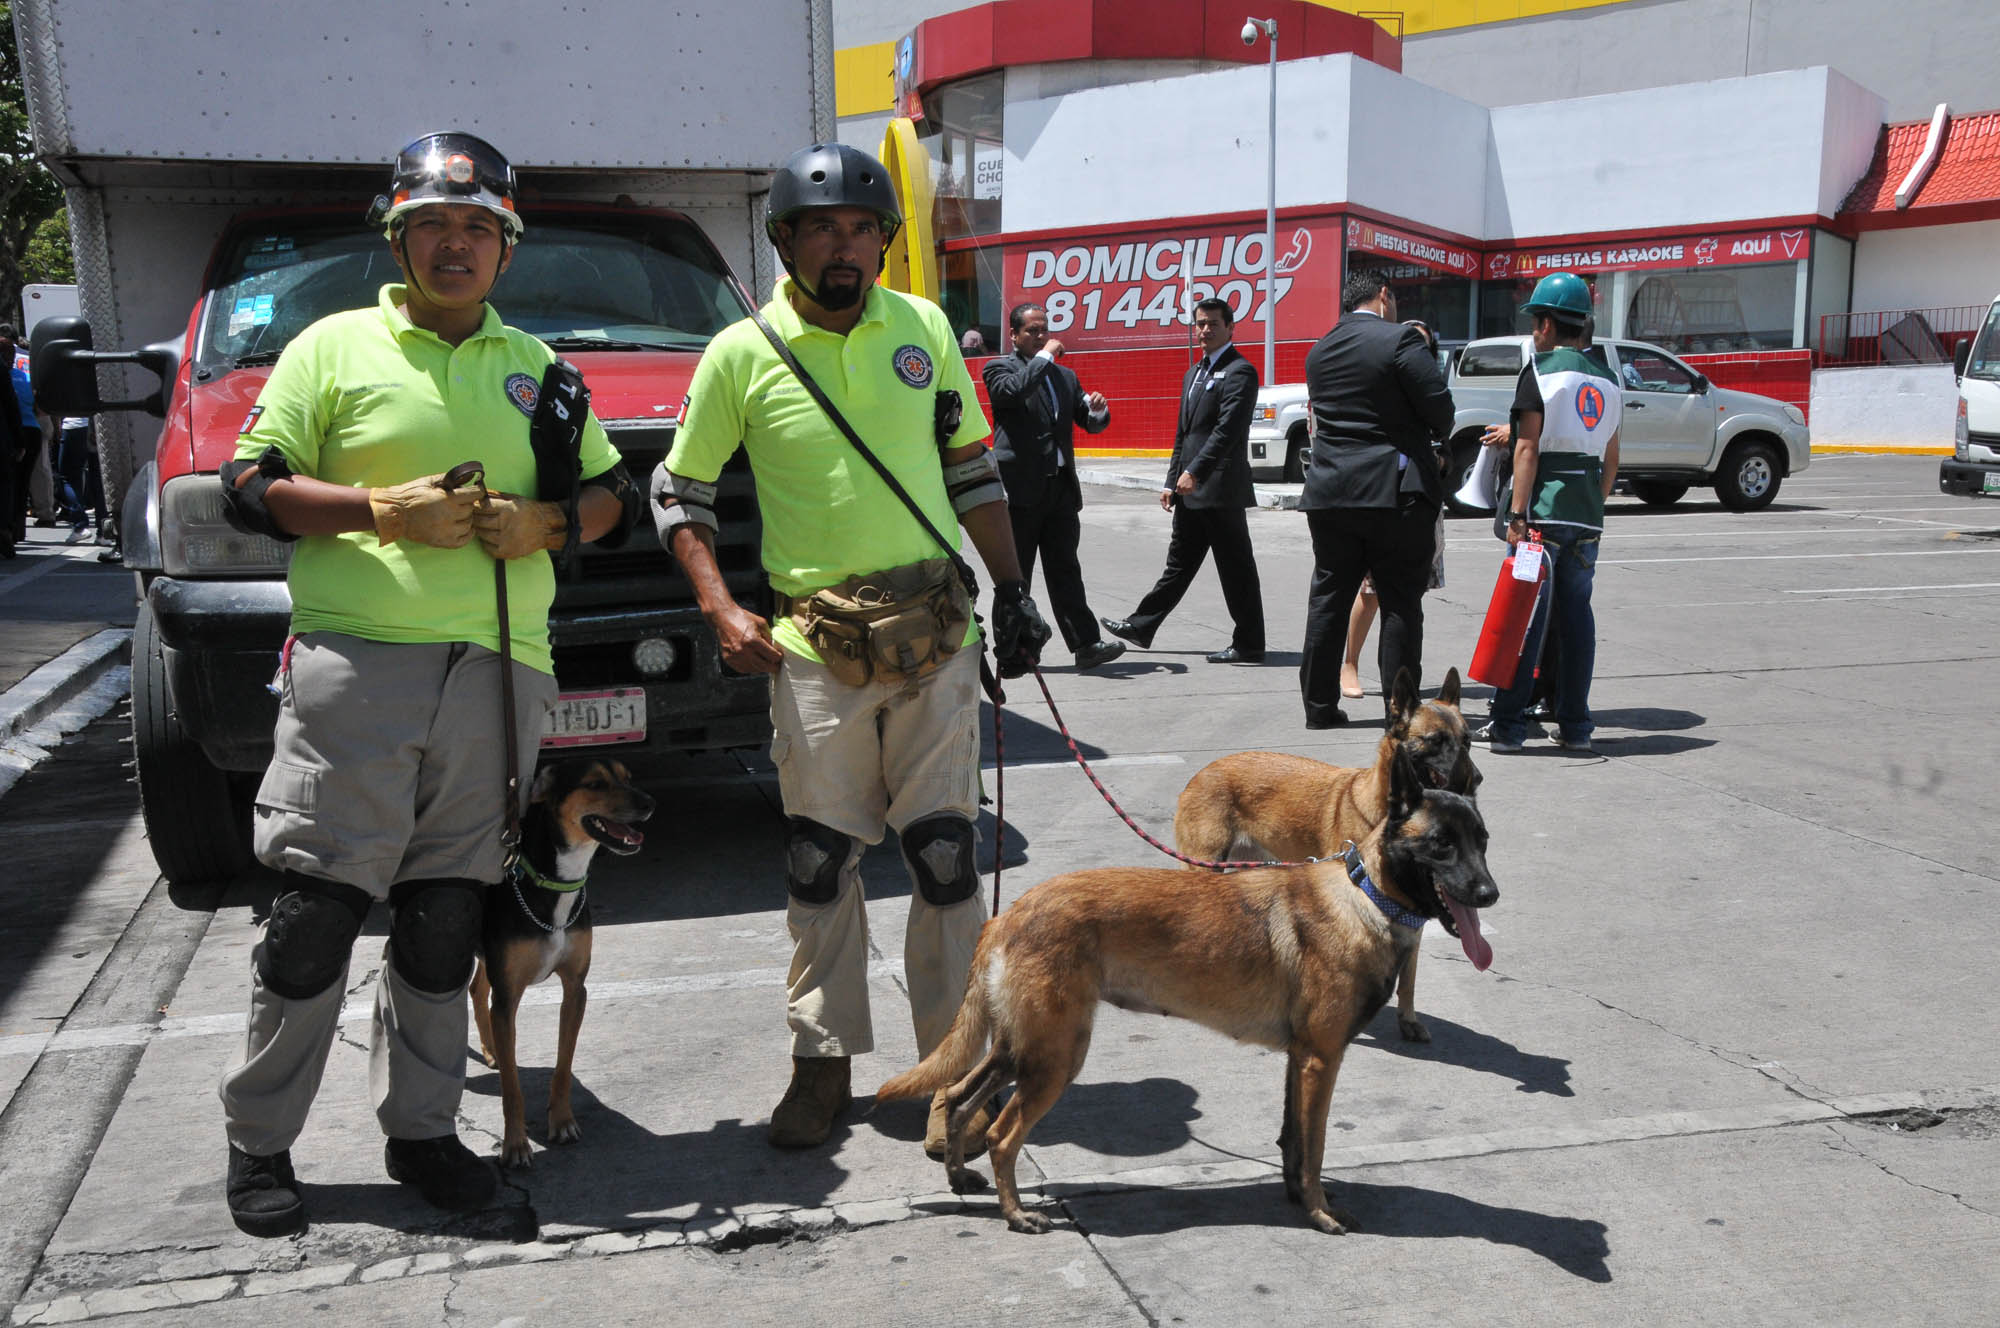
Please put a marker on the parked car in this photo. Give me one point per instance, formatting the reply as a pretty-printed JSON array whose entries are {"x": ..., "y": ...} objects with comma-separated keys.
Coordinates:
[
  {"x": 1679, "y": 429},
  {"x": 1973, "y": 468}
]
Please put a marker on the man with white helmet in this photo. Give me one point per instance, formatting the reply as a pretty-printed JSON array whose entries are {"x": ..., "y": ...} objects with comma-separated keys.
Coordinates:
[{"x": 390, "y": 749}]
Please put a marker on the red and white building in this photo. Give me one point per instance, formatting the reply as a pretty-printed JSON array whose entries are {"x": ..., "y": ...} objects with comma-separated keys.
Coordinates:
[{"x": 1107, "y": 158}]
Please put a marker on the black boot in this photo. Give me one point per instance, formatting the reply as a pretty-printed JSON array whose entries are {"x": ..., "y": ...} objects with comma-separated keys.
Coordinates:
[
  {"x": 445, "y": 1171},
  {"x": 263, "y": 1194}
]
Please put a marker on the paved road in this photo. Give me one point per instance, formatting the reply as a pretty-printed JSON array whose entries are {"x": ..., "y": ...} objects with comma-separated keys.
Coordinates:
[{"x": 1732, "y": 1064}]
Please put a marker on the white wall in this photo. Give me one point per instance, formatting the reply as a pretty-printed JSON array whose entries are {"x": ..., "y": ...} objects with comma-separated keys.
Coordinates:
[
  {"x": 1416, "y": 152},
  {"x": 1884, "y": 406},
  {"x": 1927, "y": 267},
  {"x": 1776, "y": 145}
]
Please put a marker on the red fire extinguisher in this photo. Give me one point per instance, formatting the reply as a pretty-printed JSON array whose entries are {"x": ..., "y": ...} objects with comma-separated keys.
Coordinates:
[{"x": 1508, "y": 615}]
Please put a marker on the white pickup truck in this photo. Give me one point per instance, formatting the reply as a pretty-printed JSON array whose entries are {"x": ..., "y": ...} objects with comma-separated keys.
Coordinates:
[{"x": 1679, "y": 429}]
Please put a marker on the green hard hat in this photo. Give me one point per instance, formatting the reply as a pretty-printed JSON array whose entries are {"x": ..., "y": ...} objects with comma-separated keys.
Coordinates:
[{"x": 1561, "y": 293}]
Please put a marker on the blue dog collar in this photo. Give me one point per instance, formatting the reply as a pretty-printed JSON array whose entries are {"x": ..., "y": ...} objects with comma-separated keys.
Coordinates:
[{"x": 1395, "y": 912}]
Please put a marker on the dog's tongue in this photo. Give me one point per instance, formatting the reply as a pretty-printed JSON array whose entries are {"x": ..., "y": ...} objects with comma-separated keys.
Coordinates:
[
  {"x": 1469, "y": 935},
  {"x": 623, "y": 833}
]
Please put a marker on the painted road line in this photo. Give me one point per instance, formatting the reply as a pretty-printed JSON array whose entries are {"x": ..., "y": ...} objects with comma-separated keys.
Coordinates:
[
  {"x": 1876, "y": 590},
  {"x": 1796, "y": 557}
]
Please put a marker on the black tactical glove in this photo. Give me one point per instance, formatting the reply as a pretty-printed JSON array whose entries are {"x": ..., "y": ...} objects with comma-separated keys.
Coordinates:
[{"x": 1018, "y": 630}]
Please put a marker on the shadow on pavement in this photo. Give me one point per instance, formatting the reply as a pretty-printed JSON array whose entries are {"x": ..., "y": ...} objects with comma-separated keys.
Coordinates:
[
  {"x": 1468, "y": 1048},
  {"x": 1141, "y": 1119}
]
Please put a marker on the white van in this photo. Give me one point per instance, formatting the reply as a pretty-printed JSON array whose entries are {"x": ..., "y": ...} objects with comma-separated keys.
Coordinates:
[{"x": 1974, "y": 467}]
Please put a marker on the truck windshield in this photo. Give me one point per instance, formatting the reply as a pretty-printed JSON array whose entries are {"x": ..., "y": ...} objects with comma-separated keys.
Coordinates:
[
  {"x": 1985, "y": 361},
  {"x": 586, "y": 283}
]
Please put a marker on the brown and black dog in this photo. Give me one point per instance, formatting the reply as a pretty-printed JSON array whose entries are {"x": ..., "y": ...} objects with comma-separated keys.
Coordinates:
[
  {"x": 1293, "y": 957},
  {"x": 538, "y": 923},
  {"x": 1291, "y": 808}
]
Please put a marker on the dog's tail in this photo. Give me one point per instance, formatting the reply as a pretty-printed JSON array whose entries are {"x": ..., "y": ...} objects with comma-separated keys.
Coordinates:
[{"x": 961, "y": 1049}]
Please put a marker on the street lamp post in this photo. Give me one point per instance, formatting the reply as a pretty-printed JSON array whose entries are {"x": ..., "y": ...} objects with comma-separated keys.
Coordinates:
[{"x": 1269, "y": 27}]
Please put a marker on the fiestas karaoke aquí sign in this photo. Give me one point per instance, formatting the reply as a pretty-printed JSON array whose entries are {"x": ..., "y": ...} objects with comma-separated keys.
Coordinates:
[
  {"x": 1720, "y": 249},
  {"x": 1131, "y": 288}
]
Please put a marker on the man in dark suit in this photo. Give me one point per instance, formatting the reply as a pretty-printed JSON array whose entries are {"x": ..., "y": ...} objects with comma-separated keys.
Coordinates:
[
  {"x": 1373, "y": 487},
  {"x": 1037, "y": 404},
  {"x": 1208, "y": 488}
]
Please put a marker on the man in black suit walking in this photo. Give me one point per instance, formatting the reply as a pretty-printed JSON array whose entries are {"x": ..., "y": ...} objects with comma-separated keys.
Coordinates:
[
  {"x": 1208, "y": 488},
  {"x": 1037, "y": 404},
  {"x": 1373, "y": 487}
]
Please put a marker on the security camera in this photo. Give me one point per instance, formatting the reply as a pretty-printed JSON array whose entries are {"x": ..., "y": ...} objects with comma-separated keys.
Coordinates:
[{"x": 1249, "y": 32}]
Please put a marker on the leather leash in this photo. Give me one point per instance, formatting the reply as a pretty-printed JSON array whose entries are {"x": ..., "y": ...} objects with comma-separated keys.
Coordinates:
[{"x": 472, "y": 472}]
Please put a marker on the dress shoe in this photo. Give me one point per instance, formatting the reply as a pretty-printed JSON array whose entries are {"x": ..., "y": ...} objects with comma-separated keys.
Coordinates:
[
  {"x": 1231, "y": 655},
  {"x": 1331, "y": 719},
  {"x": 1098, "y": 652},
  {"x": 1125, "y": 631}
]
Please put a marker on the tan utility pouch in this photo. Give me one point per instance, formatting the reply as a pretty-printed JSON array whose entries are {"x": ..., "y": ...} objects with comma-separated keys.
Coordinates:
[{"x": 895, "y": 625}]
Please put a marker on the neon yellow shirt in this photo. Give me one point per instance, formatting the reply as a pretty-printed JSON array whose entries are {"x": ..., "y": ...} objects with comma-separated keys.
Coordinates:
[
  {"x": 827, "y": 514},
  {"x": 367, "y": 399}
]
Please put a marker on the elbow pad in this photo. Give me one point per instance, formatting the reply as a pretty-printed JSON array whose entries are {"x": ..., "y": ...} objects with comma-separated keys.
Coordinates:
[
  {"x": 619, "y": 482},
  {"x": 244, "y": 505},
  {"x": 679, "y": 501},
  {"x": 974, "y": 483}
]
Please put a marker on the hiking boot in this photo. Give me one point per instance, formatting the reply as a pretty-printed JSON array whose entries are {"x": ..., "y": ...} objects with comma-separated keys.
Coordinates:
[
  {"x": 263, "y": 1194},
  {"x": 936, "y": 1140},
  {"x": 445, "y": 1171},
  {"x": 820, "y": 1091}
]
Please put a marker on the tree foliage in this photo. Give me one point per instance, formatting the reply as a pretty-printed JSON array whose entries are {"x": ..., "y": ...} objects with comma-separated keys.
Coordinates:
[{"x": 30, "y": 197}]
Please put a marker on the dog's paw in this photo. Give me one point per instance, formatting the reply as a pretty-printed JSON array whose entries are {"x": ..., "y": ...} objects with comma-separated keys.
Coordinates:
[
  {"x": 1029, "y": 1223},
  {"x": 564, "y": 1132},
  {"x": 517, "y": 1154},
  {"x": 968, "y": 1182},
  {"x": 1327, "y": 1222},
  {"x": 1412, "y": 1029}
]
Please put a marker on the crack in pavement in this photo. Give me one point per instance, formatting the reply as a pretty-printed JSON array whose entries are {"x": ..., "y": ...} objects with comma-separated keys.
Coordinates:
[{"x": 1841, "y": 1142}]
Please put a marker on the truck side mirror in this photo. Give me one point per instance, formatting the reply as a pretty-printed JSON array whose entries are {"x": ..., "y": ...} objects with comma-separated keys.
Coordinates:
[
  {"x": 64, "y": 369},
  {"x": 1961, "y": 355},
  {"x": 1701, "y": 383}
]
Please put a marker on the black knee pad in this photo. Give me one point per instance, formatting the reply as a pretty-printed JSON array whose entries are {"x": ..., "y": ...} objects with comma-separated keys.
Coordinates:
[
  {"x": 309, "y": 936},
  {"x": 436, "y": 932},
  {"x": 814, "y": 857},
  {"x": 940, "y": 850}
]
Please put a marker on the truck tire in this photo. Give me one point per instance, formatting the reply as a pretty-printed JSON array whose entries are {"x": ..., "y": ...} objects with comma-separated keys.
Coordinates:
[
  {"x": 1658, "y": 493},
  {"x": 1750, "y": 475},
  {"x": 1296, "y": 448},
  {"x": 198, "y": 826}
]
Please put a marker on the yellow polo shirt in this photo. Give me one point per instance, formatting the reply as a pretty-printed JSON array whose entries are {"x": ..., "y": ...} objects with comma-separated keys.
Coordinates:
[
  {"x": 827, "y": 514},
  {"x": 367, "y": 399}
]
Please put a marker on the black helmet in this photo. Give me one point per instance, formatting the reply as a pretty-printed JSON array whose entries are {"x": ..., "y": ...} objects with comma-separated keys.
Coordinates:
[
  {"x": 833, "y": 175},
  {"x": 449, "y": 168}
]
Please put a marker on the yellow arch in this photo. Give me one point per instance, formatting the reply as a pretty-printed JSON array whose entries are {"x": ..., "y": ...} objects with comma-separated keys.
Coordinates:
[{"x": 911, "y": 263}]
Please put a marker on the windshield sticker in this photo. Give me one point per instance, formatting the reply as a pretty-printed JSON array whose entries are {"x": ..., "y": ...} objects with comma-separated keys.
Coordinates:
[
  {"x": 523, "y": 391},
  {"x": 913, "y": 365},
  {"x": 250, "y": 311},
  {"x": 271, "y": 251}
]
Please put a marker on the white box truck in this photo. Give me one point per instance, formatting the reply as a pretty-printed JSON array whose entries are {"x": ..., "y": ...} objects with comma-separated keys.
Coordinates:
[{"x": 218, "y": 158}]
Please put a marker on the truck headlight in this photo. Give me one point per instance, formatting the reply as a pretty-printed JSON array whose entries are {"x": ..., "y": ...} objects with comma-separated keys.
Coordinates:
[
  {"x": 1794, "y": 414},
  {"x": 1265, "y": 414},
  {"x": 1961, "y": 435},
  {"x": 196, "y": 538}
]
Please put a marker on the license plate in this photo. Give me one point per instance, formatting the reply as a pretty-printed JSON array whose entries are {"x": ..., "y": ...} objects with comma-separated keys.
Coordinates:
[
  {"x": 1990, "y": 482},
  {"x": 583, "y": 719}
]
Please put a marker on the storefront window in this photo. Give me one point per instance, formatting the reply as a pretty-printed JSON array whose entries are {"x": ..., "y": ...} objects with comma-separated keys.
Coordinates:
[
  {"x": 963, "y": 133},
  {"x": 1441, "y": 302},
  {"x": 1709, "y": 311},
  {"x": 1500, "y": 305}
]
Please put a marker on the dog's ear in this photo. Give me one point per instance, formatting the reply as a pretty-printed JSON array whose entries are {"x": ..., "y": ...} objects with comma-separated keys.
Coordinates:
[
  {"x": 1403, "y": 695},
  {"x": 1406, "y": 785},
  {"x": 1448, "y": 692},
  {"x": 545, "y": 781}
]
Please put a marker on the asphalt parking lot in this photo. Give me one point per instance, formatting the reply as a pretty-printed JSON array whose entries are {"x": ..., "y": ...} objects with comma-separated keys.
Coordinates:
[{"x": 1731, "y": 1063}]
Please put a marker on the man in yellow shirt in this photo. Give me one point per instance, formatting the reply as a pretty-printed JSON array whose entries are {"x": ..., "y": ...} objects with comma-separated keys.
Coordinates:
[
  {"x": 389, "y": 763},
  {"x": 866, "y": 737}
]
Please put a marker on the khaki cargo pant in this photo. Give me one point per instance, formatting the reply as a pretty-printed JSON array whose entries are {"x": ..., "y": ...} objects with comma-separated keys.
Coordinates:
[
  {"x": 859, "y": 760},
  {"x": 387, "y": 768}
]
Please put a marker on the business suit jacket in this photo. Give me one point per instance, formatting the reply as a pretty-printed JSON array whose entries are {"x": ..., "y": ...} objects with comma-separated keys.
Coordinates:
[
  {"x": 1031, "y": 429},
  {"x": 1377, "y": 396},
  {"x": 1212, "y": 442}
]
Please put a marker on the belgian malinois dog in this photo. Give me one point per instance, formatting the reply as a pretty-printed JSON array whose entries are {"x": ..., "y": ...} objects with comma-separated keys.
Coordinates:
[
  {"x": 1293, "y": 957},
  {"x": 538, "y": 924},
  {"x": 1290, "y": 808}
]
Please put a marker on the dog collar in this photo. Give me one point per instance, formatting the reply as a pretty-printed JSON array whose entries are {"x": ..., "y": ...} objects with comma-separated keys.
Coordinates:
[
  {"x": 1395, "y": 912},
  {"x": 522, "y": 872}
]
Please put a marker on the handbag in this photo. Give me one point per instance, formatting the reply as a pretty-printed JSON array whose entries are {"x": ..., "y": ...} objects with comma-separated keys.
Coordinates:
[{"x": 897, "y": 624}]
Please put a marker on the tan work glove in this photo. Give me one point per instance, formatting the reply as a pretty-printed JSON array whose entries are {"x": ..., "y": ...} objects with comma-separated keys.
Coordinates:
[
  {"x": 510, "y": 526},
  {"x": 424, "y": 513}
]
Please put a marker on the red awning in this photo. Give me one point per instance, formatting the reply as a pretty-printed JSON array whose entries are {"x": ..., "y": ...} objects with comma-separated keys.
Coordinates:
[{"x": 1964, "y": 185}]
